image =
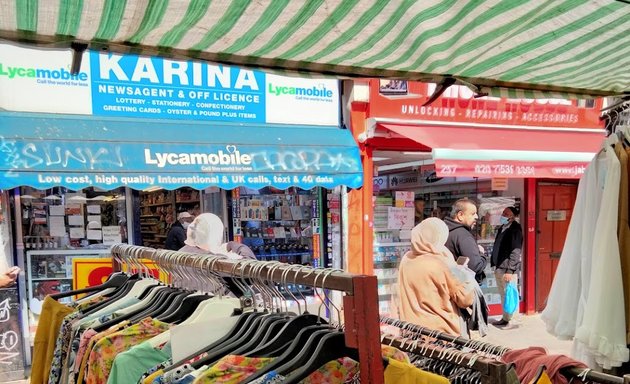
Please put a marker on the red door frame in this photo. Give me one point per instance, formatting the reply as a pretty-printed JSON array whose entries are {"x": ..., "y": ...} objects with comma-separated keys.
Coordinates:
[{"x": 529, "y": 260}]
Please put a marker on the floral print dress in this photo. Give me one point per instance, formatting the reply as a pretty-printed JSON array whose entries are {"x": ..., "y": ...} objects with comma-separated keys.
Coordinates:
[{"x": 105, "y": 350}]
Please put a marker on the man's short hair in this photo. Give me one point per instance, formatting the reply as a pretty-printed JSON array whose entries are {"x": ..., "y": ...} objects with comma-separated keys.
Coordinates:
[{"x": 460, "y": 206}]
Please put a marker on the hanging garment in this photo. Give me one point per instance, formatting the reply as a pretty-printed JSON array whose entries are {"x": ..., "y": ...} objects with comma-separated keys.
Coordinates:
[
  {"x": 603, "y": 327},
  {"x": 61, "y": 348},
  {"x": 404, "y": 373},
  {"x": 270, "y": 378},
  {"x": 232, "y": 369},
  {"x": 346, "y": 370},
  {"x": 569, "y": 289},
  {"x": 623, "y": 229},
  {"x": 105, "y": 350},
  {"x": 51, "y": 318},
  {"x": 529, "y": 360},
  {"x": 91, "y": 337},
  {"x": 129, "y": 366}
]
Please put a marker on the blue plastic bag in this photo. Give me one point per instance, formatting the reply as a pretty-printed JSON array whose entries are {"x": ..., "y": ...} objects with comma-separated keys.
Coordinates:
[{"x": 510, "y": 304}]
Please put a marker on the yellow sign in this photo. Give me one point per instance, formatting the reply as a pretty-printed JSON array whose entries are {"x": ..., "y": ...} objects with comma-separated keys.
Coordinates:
[
  {"x": 499, "y": 183},
  {"x": 88, "y": 272}
]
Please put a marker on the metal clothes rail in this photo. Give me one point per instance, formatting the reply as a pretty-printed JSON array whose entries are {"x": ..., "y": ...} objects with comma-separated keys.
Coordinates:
[
  {"x": 492, "y": 371},
  {"x": 360, "y": 302},
  {"x": 586, "y": 374}
]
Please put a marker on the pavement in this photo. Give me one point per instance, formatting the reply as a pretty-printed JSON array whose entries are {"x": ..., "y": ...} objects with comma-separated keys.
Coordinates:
[
  {"x": 527, "y": 331},
  {"x": 523, "y": 331}
]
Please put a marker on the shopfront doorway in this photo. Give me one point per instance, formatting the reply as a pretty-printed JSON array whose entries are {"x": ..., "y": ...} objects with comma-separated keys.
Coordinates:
[{"x": 555, "y": 208}]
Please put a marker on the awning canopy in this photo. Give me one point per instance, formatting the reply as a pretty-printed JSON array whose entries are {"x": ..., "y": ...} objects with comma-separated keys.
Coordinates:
[
  {"x": 548, "y": 47},
  {"x": 80, "y": 151},
  {"x": 504, "y": 152}
]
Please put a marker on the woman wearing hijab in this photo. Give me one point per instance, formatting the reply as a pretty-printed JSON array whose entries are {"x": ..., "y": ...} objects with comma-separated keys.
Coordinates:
[
  {"x": 430, "y": 295},
  {"x": 205, "y": 234}
]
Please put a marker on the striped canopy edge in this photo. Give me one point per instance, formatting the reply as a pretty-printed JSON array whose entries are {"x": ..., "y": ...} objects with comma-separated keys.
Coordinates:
[{"x": 559, "y": 48}]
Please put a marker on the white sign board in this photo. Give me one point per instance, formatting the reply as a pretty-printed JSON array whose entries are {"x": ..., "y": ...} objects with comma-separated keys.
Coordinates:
[{"x": 400, "y": 218}]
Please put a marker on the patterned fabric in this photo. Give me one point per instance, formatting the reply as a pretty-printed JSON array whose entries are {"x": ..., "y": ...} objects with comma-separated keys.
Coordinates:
[
  {"x": 174, "y": 376},
  {"x": 188, "y": 379},
  {"x": 61, "y": 348},
  {"x": 270, "y": 378},
  {"x": 233, "y": 369},
  {"x": 165, "y": 364},
  {"x": 160, "y": 367},
  {"x": 347, "y": 370},
  {"x": 83, "y": 358},
  {"x": 104, "y": 352},
  {"x": 90, "y": 321}
]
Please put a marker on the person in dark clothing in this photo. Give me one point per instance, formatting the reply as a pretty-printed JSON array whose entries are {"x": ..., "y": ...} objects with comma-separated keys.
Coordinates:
[
  {"x": 506, "y": 255},
  {"x": 177, "y": 234},
  {"x": 461, "y": 241}
]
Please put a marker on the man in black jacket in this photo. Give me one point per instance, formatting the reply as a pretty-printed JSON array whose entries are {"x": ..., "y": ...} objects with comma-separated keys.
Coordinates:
[
  {"x": 506, "y": 255},
  {"x": 177, "y": 234},
  {"x": 461, "y": 241}
]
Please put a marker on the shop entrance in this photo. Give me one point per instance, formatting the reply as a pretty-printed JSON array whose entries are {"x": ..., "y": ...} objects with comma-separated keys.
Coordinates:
[{"x": 555, "y": 208}]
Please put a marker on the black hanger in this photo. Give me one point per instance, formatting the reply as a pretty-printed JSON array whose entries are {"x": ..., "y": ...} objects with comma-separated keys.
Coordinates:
[
  {"x": 235, "y": 342},
  {"x": 115, "y": 281},
  {"x": 331, "y": 347},
  {"x": 173, "y": 306},
  {"x": 159, "y": 306},
  {"x": 288, "y": 352},
  {"x": 187, "y": 308},
  {"x": 287, "y": 333},
  {"x": 258, "y": 338},
  {"x": 114, "y": 296},
  {"x": 155, "y": 299},
  {"x": 241, "y": 322}
]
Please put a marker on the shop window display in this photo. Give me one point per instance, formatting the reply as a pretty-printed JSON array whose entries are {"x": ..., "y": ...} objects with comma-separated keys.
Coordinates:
[
  {"x": 59, "y": 225},
  {"x": 395, "y": 215}
]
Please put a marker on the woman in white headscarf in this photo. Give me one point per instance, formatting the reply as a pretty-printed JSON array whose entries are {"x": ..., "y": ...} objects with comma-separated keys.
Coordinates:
[
  {"x": 429, "y": 294},
  {"x": 205, "y": 234}
]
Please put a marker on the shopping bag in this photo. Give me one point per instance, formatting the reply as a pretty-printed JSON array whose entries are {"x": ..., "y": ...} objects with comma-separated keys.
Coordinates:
[{"x": 510, "y": 304}]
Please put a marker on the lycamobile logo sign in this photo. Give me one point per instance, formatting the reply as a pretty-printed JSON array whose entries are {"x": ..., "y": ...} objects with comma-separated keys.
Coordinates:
[
  {"x": 315, "y": 92},
  {"x": 13, "y": 72}
]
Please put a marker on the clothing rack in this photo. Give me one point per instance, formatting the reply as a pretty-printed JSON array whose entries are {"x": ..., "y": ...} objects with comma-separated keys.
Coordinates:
[
  {"x": 587, "y": 375},
  {"x": 492, "y": 371},
  {"x": 360, "y": 302}
]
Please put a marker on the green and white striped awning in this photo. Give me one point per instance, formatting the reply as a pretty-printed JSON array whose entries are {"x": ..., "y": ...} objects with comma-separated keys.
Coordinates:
[{"x": 544, "y": 47}]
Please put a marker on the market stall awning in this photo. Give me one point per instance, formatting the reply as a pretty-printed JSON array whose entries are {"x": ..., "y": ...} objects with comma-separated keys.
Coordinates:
[
  {"x": 505, "y": 152},
  {"x": 80, "y": 151},
  {"x": 543, "y": 48}
]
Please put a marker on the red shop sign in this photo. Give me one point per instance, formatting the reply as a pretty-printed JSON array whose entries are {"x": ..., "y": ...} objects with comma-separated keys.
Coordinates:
[{"x": 402, "y": 99}]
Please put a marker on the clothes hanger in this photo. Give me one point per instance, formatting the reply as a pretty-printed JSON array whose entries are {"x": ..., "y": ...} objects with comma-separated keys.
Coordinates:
[
  {"x": 189, "y": 304},
  {"x": 243, "y": 322},
  {"x": 124, "y": 290},
  {"x": 154, "y": 296},
  {"x": 310, "y": 348},
  {"x": 271, "y": 325},
  {"x": 255, "y": 328},
  {"x": 165, "y": 302},
  {"x": 291, "y": 329},
  {"x": 332, "y": 346},
  {"x": 115, "y": 280}
]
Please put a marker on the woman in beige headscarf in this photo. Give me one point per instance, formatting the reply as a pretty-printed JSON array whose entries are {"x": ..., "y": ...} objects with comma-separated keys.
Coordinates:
[
  {"x": 205, "y": 234},
  {"x": 429, "y": 294}
]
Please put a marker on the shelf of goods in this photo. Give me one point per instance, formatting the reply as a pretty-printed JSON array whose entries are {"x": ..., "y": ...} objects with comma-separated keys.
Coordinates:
[{"x": 159, "y": 209}]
